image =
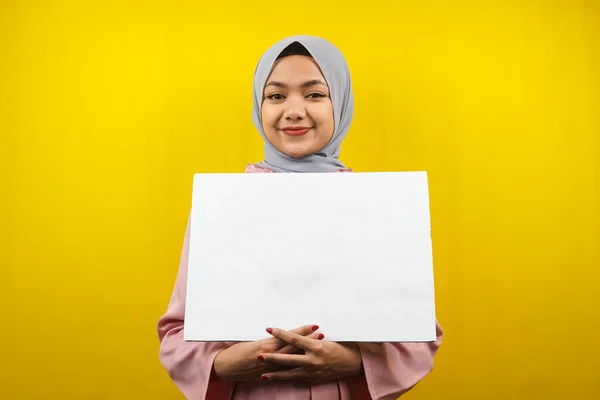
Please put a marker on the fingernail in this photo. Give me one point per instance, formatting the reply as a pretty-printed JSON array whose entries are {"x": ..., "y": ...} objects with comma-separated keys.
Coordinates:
[
  {"x": 314, "y": 328},
  {"x": 270, "y": 330},
  {"x": 320, "y": 336},
  {"x": 260, "y": 357},
  {"x": 264, "y": 378}
]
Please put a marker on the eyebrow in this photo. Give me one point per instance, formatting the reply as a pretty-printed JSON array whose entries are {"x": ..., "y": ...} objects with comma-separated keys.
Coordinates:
[{"x": 304, "y": 85}]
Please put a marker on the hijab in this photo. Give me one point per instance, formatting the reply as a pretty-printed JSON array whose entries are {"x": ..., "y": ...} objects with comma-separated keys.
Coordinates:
[{"x": 337, "y": 75}]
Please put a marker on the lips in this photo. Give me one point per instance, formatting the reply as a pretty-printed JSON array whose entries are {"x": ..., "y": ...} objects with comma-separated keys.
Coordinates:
[{"x": 295, "y": 130}]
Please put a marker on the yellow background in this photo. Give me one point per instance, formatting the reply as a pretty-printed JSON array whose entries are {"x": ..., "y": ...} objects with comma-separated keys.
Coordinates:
[{"x": 108, "y": 108}]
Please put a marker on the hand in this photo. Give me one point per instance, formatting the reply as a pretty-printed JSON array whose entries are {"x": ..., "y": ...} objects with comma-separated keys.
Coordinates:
[
  {"x": 322, "y": 361},
  {"x": 240, "y": 361}
]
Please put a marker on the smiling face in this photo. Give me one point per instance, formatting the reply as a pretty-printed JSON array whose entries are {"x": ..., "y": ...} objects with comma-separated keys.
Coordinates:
[{"x": 297, "y": 114}]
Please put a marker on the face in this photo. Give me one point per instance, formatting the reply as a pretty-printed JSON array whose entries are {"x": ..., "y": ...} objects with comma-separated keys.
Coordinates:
[{"x": 297, "y": 114}]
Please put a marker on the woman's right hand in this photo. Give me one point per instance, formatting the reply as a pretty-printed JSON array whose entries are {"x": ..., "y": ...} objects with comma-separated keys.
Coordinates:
[{"x": 240, "y": 362}]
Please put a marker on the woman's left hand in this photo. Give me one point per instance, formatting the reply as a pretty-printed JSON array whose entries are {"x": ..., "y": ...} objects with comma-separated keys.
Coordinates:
[{"x": 322, "y": 361}]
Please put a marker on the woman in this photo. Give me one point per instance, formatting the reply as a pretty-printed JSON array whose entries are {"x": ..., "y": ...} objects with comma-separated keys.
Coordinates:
[{"x": 303, "y": 106}]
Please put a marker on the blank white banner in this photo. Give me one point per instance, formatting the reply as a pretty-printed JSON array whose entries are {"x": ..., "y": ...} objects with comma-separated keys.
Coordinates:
[{"x": 350, "y": 252}]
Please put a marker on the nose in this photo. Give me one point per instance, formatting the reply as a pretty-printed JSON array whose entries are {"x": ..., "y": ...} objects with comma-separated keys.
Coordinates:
[{"x": 295, "y": 109}]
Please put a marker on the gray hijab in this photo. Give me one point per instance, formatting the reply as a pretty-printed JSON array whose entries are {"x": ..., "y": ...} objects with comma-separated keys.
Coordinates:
[{"x": 336, "y": 73}]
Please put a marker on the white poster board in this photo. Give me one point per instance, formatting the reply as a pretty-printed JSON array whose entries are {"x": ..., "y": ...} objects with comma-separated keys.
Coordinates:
[{"x": 350, "y": 252}]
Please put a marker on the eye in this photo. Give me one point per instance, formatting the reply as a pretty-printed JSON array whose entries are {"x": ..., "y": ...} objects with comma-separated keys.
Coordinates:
[
  {"x": 316, "y": 95},
  {"x": 275, "y": 96}
]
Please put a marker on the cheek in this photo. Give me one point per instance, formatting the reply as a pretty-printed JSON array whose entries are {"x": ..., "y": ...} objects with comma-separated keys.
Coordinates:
[
  {"x": 269, "y": 118},
  {"x": 323, "y": 116}
]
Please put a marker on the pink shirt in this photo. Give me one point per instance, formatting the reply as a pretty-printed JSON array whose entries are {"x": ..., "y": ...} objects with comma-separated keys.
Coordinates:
[{"x": 390, "y": 369}]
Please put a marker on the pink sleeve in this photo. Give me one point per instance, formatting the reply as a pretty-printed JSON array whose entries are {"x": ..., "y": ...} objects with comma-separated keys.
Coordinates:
[
  {"x": 392, "y": 369},
  {"x": 189, "y": 364}
]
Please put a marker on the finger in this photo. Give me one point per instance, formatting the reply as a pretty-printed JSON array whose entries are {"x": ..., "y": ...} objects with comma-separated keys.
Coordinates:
[
  {"x": 290, "y": 374},
  {"x": 287, "y": 360},
  {"x": 293, "y": 338},
  {"x": 288, "y": 348},
  {"x": 303, "y": 330}
]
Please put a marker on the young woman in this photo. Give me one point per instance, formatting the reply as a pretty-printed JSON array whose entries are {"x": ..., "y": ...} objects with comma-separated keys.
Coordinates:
[{"x": 303, "y": 106}]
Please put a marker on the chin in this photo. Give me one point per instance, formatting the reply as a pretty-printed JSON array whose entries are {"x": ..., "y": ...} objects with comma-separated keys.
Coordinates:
[
  {"x": 299, "y": 147},
  {"x": 295, "y": 153}
]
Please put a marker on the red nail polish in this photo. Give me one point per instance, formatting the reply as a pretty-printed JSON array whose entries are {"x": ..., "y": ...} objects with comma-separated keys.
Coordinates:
[
  {"x": 314, "y": 328},
  {"x": 321, "y": 336},
  {"x": 270, "y": 330},
  {"x": 260, "y": 357},
  {"x": 264, "y": 378}
]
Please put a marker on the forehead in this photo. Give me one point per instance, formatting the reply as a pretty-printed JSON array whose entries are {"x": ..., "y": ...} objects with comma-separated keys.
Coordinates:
[{"x": 295, "y": 69}]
